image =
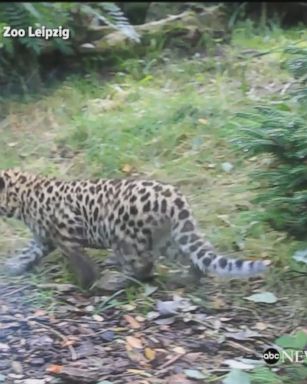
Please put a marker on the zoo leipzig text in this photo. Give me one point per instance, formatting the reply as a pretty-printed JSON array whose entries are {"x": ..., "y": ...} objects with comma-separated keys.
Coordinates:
[
  {"x": 273, "y": 356},
  {"x": 39, "y": 32}
]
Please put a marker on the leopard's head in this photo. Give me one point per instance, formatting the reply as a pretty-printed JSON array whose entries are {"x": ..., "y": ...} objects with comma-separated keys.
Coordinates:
[{"x": 9, "y": 198}]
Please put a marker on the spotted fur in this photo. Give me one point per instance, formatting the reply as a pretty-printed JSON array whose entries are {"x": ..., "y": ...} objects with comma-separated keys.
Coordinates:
[{"x": 131, "y": 217}]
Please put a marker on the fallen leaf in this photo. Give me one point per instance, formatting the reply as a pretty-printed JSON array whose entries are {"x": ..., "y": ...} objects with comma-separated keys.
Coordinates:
[
  {"x": 17, "y": 367},
  {"x": 253, "y": 362},
  {"x": 149, "y": 290},
  {"x": 187, "y": 307},
  {"x": 235, "y": 364},
  {"x": 167, "y": 307},
  {"x": 152, "y": 315},
  {"x": 225, "y": 219},
  {"x": 139, "y": 372},
  {"x": 134, "y": 342},
  {"x": 261, "y": 326},
  {"x": 68, "y": 343},
  {"x": 136, "y": 356},
  {"x": 225, "y": 319},
  {"x": 171, "y": 307},
  {"x": 227, "y": 167},
  {"x": 192, "y": 357},
  {"x": 39, "y": 313},
  {"x": 86, "y": 349},
  {"x": 4, "y": 347},
  {"x": 98, "y": 318},
  {"x": 88, "y": 46},
  {"x": 140, "y": 318},
  {"x": 194, "y": 374},
  {"x": 127, "y": 168},
  {"x": 236, "y": 376},
  {"x": 178, "y": 379},
  {"x": 89, "y": 308},
  {"x": 300, "y": 256},
  {"x": 129, "y": 307},
  {"x": 263, "y": 297},
  {"x": 210, "y": 166},
  {"x": 179, "y": 350},
  {"x": 56, "y": 369},
  {"x": 150, "y": 354},
  {"x": 218, "y": 303},
  {"x": 203, "y": 121},
  {"x": 242, "y": 335},
  {"x": 105, "y": 382},
  {"x": 132, "y": 322},
  {"x": 166, "y": 321}
]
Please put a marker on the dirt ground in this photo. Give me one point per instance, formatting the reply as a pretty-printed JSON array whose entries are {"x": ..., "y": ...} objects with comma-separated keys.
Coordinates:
[{"x": 73, "y": 338}]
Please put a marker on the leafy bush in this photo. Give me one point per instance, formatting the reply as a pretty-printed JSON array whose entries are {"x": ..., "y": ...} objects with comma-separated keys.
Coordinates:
[
  {"x": 280, "y": 133},
  {"x": 20, "y": 57},
  {"x": 297, "y": 65}
]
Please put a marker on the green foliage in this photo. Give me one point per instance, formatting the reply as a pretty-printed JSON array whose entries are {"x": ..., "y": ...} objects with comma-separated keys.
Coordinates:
[
  {"x": 20, "y": 56},
  {"x": 292, "y": 344},
  {"x": 297, "y": 341},
  {"x": 110, "y": 14},
  {"x": 263, "y": 375},
  {"x": 290, "y": 373},
  {"x": 52, "y": 15},
  {"x": 297, "y": 65},
  {"x": 127, "y": 136},
  {"x": 279, "y": 132},
  {"x": 23, "y": 15}
]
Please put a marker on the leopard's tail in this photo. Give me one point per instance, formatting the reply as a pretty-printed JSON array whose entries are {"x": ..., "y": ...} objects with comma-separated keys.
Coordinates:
[{"x": 191, "y": 243}]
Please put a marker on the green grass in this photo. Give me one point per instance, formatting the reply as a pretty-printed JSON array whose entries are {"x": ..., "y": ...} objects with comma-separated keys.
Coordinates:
[{"x": 171, "y": 121}]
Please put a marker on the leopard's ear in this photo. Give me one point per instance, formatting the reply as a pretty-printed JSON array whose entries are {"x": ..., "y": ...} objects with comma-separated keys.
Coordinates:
[{"x": 2, "y": 183}]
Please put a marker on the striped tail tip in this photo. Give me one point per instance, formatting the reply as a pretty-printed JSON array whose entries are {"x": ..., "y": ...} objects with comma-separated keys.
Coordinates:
[{"x": 236, "y": 268}]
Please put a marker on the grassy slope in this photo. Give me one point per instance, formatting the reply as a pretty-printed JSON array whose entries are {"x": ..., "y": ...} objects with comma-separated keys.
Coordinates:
[{"x": 172, "y": 120}]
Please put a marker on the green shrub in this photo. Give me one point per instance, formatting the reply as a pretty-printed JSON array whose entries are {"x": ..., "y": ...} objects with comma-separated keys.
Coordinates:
[
  {"x": 20, "y": 58},
  {"x": 279, "y": 133},
  {"x": 297, "y": 65}
]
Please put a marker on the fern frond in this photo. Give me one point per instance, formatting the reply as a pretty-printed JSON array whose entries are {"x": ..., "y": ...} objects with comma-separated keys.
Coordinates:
[
  {"x": 15, "y": 15},
  {"x": 112, "y": 15}
]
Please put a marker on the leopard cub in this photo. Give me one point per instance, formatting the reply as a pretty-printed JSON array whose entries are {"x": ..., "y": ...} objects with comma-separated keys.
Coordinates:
[{"x": 134, "y": 218}]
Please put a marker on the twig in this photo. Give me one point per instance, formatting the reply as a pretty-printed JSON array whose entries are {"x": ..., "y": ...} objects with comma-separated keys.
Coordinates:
[
  {"x": 170, "y": 362},
  {"x": 286, "y": 87},
  {"x": 293, "y": 274},
  {"x": 59, "y": 287},
  {"x": 61, "y": 336},
  {"x": 249, "y": 310},
  {"x": 243, "y": 348},
  {"x": 15, "y": 291},
  {"x": 146, "y": 26},
  {"x": 105, "y": 302}
]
